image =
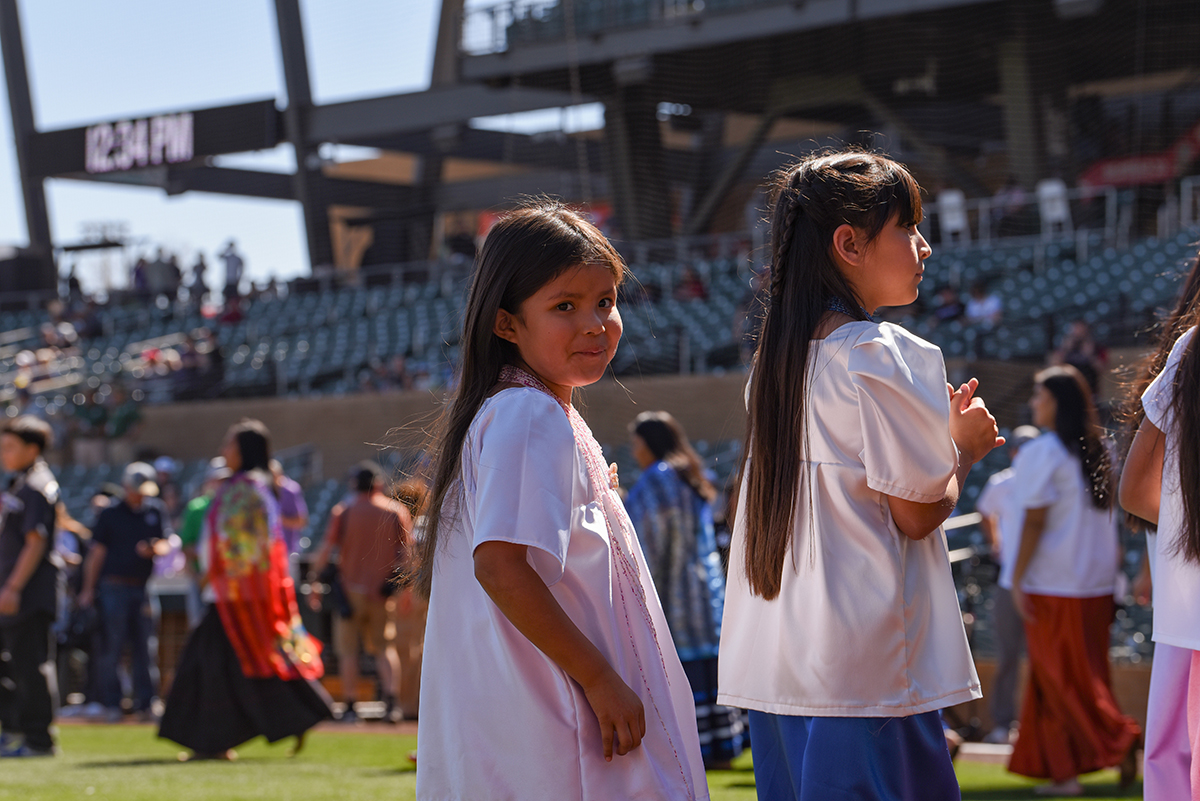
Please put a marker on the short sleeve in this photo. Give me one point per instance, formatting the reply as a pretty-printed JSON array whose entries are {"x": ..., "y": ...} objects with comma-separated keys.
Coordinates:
[
  {"x": 904, "y": 413},
  {"x": 525, "y": 473},
  {"x": 38, "y": 513},
  {"x": 1156, "y": 400},
  {"x": 102, "y": 531},
  {"x": 193, "y": 519},
  {"x": 988, "y": 502},
  {"x": 1033, "y": 472}
]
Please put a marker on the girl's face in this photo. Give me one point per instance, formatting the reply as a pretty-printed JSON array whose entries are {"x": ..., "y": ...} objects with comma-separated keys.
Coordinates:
[
  {"x": 641, "y": 452},
  {"x": 567, "y": 331},
  {"x": 1043, "y": 406},
  {"x": 233, "y": 456},
  {"x": 888, "y": 269}
]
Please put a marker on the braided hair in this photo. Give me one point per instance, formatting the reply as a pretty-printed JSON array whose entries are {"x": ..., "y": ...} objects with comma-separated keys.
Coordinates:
[{"x": 811, "y": 199}]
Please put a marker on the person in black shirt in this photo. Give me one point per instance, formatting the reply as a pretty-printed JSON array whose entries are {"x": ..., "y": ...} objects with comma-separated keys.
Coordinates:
[
  {"x": 125, "y": 540},
  {"x": 28, "y": 582}
]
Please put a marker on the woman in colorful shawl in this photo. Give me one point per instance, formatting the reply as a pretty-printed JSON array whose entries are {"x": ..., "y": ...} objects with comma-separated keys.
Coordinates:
[
  {"x": 671, "y": 509},
  {"x": 249, "y": 668}
]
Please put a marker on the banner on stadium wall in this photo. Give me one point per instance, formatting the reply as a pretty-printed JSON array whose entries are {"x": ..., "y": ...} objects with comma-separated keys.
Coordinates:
[
  {"x": 1157, "y": 168},
  {"x": 156, "y": 140}
]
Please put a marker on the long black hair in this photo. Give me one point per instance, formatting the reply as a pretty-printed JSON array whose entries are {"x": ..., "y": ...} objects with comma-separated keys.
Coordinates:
[
  {"x": 665, "y": 438},
  {"x": 1078, "y": 428},
  {"x": 811, "y": 199},
  {"x": 1185, "y": 315},
  {"x": 523, "y": 252},
  {"x": 253, "y": 443}
]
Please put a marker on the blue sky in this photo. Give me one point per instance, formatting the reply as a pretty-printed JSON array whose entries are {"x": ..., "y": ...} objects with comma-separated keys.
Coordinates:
[{"x": 106, "y": 61}]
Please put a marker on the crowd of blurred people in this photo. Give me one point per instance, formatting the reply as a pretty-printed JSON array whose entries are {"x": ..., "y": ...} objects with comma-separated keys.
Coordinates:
[{"x": 87, "y": 600}]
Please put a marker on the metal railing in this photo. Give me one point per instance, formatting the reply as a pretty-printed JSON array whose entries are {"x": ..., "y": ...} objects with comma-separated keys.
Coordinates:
[{"x": 496, "y": 27}]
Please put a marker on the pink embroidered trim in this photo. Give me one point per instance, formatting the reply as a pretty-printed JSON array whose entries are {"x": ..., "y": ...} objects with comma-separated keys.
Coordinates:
[{"x": 622, "y": 538}]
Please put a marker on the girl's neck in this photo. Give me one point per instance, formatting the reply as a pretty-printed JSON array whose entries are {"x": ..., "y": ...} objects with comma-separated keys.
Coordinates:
[{"x": 519, "y": 375}]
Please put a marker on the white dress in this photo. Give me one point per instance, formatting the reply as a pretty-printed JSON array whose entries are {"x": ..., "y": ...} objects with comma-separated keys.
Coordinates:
[
  {"x": 867, "y": 622},
  {"x": 500, "y": 720},
  {"x": 1176, "y": 579}
]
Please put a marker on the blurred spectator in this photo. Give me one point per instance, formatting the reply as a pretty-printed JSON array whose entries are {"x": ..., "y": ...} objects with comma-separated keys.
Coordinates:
[
  {"x": 87, "y": 428},
  {"x": 293, "y": 511},
  {"x": 190, "y": 530},
  {"x": 198, "y": 287},
  {"x": 165, "y": 469},
  {"x": 74, "y": 290},
  {"x": 173, "y": 278},
  {"x": 984, "y": 307},
  {"x": 123, "y": 426},
  {"x": 398, "y": 376},
  {"x": 948, "y": 306},
  {"x": 234, "y": 266},
  {"x": 125, "y": 540},
  {"x": 139, "y": 281},
  {"x": 372, "y": 533},
  {"x": 27, "y": 589},
  {"x": 186, "y": 379},
  {"x": 1081, "y": 351},
  {"x": 690, "y": 286}
]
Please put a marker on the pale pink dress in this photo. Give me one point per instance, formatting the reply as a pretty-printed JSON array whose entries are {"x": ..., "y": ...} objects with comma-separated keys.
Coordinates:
[{"x": 499, "y": 720}]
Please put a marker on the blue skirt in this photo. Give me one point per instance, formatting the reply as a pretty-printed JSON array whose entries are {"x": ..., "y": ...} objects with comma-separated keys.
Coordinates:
[{"x": 851, "y": 759}]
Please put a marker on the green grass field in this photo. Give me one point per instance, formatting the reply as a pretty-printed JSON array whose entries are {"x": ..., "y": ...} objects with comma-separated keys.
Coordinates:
[{"x": 127, "y": 763}]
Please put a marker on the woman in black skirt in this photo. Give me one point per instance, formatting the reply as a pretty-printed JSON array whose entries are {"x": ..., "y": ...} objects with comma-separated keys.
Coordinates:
[{"x": 249, "y": 668}]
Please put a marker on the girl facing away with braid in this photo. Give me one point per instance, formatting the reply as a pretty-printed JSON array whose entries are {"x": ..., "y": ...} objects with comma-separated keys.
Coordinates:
[
  {"x": 842, "y": 633},
  {"x": 548, "y": 670}
]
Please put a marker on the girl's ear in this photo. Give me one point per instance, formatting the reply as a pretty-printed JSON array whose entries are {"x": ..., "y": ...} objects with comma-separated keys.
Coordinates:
[
  {"x": 848, "y": 245},
  {"x": 505, "y": 327}
]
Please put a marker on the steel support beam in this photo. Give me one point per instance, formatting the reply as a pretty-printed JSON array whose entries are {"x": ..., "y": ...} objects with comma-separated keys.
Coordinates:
[
  {"x": 20, "y": 103},
  {"x": 424, "y": 111},
  {"x": 308, "y": 180}
]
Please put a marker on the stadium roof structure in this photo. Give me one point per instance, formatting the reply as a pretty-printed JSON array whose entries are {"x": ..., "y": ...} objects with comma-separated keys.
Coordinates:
[{"x": 701, "y": 99}]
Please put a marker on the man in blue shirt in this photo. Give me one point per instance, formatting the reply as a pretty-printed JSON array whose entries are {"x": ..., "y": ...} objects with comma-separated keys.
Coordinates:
[{"x": 125, "y": 540}]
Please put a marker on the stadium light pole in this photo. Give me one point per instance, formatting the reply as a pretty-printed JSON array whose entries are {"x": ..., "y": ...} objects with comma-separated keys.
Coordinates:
[{"x": 20, "y": 104}]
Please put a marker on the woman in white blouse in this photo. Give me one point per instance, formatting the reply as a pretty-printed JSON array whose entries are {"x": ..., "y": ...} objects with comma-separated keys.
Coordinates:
[{"x": 1063, "y": 586}]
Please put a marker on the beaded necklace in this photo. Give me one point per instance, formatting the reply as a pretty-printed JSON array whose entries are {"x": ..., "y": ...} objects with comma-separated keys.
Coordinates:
[{"x": 836, "y": 304}]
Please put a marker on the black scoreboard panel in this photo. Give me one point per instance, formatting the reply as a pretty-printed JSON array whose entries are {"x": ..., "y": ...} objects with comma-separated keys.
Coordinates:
[{"x": 157, "y": 140}]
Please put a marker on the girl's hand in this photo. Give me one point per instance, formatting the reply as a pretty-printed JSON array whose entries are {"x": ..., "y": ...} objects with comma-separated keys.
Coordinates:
[
  {"x": 972, "y": 426},
  {"x": 1023, "y": 605},
  {"x": 619, "y": 711}
]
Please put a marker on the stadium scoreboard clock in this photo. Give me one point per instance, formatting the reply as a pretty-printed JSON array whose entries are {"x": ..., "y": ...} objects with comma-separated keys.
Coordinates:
[
  {"x": 124, "y": 145},
  {"x": 155, "y": 141}
]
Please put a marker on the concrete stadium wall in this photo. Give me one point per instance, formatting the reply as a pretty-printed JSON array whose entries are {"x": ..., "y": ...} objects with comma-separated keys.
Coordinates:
[
  {"x": 349, "y": 428},
  {"x": 353, "y": 427}
]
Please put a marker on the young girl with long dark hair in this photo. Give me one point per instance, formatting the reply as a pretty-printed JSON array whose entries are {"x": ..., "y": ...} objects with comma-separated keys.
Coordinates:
[
  {"x": 548, "y": 669},
  {"x": 842, "y": 633},
  {"x": 671, "y": 509},
  {"x": 1161, "y": 485},
  {"x": 1062, "y": 586}
]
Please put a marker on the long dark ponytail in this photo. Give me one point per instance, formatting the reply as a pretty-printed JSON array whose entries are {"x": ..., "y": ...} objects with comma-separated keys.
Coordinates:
[
  {"x": 811, "y": 199},
  {"x": 523, "y": 252}
]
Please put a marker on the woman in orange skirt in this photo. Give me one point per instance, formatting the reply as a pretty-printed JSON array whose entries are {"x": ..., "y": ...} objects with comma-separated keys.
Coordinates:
[{"x": 1063, "y": 588}]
